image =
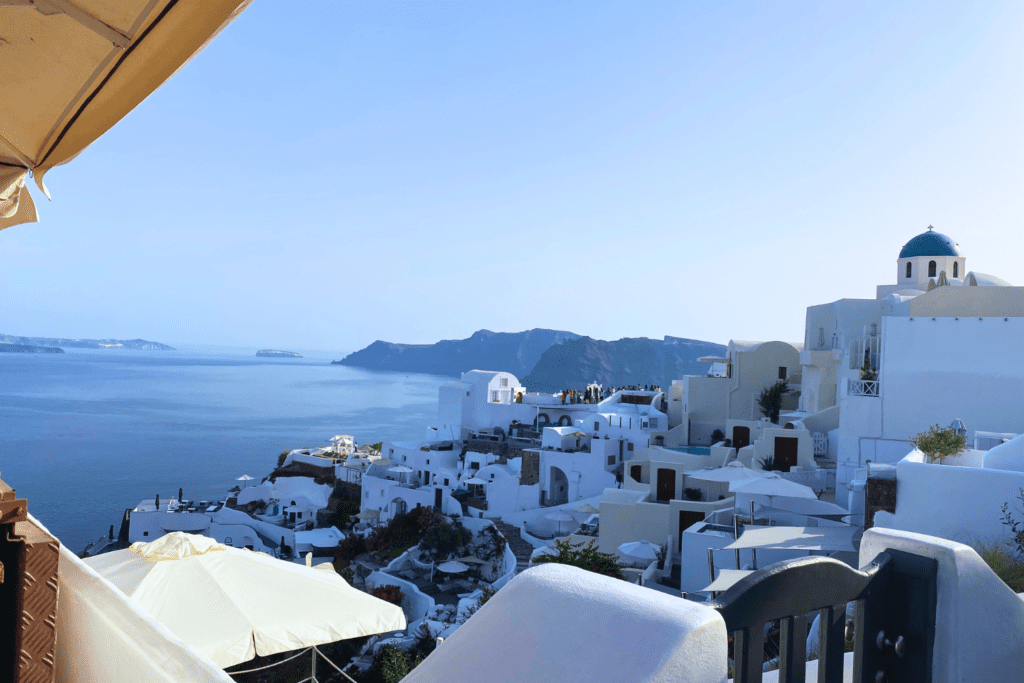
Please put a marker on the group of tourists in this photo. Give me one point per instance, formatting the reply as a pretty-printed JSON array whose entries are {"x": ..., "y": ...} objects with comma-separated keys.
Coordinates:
[{"x": 595, "y": 393}]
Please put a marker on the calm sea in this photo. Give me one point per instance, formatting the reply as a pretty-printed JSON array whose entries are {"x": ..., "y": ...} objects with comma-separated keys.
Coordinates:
[{"x": 86, "y": 434}]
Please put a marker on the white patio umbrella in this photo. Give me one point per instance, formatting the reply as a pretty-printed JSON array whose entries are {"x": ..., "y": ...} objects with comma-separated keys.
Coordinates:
[
  {"x": 560, "y": 516},
  {"x": 587, "y": 508},
  {"x": 73, "y": 70},
  {"x": 231, "y": 605},
  {"x": 453, "y": 567},
  {"x": 767, "y": 488},
  {"x": 246, "y": 479},
  {"x": 641, "y": 550}
]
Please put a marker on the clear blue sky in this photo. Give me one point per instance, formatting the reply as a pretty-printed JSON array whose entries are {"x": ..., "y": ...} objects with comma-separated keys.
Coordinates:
[{"x": 330, "y": 173}]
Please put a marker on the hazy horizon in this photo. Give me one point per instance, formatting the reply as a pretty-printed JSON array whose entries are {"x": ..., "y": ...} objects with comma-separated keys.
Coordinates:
[{"x": 326, "y": 175}]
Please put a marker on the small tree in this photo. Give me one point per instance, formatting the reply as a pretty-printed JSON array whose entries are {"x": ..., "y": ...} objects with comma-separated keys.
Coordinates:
[
  {"x": 717, "y": 435},
  {"x": 867, "y": 372},
  {"x": 443, "y": 540},
  {"x": 939, "y": 443},
  {"x": 584, "y": 556},
  {"x": 770, "y": 400},
  {"x": 1015, "y": 526}
]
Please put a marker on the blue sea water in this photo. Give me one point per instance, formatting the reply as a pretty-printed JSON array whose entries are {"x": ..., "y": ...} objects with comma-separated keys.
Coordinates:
[{"x": 86, "y": 434}]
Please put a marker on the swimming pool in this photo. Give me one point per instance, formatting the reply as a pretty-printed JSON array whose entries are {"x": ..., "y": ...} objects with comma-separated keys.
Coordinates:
[{"x": 692, "y": 450}]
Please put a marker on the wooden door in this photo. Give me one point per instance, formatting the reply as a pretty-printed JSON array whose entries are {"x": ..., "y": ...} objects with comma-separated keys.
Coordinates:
[
  {"x": 688, "y": 518},
  {"x": 740, "y": 437},
  {"x": 437, "y": 499},
  {"x": 635, "y": 472},
  {"x": 666, "y": 484},
  {"x": 785, "y": 452}
]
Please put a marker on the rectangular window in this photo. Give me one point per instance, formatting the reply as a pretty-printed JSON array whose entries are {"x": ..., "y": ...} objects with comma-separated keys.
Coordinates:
[
  {"x": 446, "y": 482},
  {"x": 504, "y": 381},
  {"x": 611, "y": 459},
  {"x": 597, "y": 425},
  {"x": 428, "y": 461},
  {"x": 629, "y": 446},
  {"x": 654, "y": 423},
  {"x": 782, "y": 373},
  {"x": 494, "y": 396}
]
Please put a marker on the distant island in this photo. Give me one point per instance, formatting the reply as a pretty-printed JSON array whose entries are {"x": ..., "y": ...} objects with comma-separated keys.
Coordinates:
[
  {"x": 274, "y": 353},
  {"x": 545, "y": 360},
  {"x": 24, "y": 348},
  {"x": 131, "y": 344}
]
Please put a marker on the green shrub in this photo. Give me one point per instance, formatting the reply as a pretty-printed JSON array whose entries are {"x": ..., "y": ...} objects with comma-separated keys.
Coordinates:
[
  {"x": 717, "y": 435},
  {"x": 443, "y": 540},
  {"x": 585, "y": 556},
  {"x": 939, "y": 443},
  {"x": 389, "y": 593},
  {"x": 770, "y": 400},
  {"x": 1007, "y": 567}
]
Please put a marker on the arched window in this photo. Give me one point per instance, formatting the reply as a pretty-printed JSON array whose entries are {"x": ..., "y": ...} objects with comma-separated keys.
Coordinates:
[
  {"x": 956, "y": 269},
  {"x": 931, "y": 269},
  {"x": 908, "y": 268}
]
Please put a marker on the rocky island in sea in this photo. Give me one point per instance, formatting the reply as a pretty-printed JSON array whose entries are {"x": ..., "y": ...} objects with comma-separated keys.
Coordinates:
[
  {"x": 49, "y": 342},
  {"x": 274, "y": 353},
  {"x": 25, "y": 348}
]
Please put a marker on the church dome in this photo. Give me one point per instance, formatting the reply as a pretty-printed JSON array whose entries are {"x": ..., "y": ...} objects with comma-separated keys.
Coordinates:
[{"x": 930, "y": 243}]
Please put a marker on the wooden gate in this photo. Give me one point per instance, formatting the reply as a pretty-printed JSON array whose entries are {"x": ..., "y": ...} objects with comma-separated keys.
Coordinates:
[
  {"x": 666, "y": 484},
  {"x": 786, "y": 448},
  {"x": 894, "y": 621},
  {"x": 688, "y": 518},
  {"x": 740, "y": 437}
]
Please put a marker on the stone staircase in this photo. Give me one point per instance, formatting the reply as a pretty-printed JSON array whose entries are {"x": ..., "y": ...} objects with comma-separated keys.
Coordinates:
[{"x": 520, "y": 548}]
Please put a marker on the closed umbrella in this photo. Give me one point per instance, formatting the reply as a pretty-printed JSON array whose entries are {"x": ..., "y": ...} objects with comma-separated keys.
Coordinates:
[
  {"x": 73, "y": 70},
  {"x": 231, "y": 605}
]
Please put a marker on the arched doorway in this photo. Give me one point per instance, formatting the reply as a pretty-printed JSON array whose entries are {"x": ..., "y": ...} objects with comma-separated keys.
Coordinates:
[
  {"x": 558, "y": 487},
  {"x": 564, "y": 421}
]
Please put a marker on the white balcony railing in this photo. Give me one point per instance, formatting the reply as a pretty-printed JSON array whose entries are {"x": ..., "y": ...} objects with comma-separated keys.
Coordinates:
[{"x": 863, "y": 387}]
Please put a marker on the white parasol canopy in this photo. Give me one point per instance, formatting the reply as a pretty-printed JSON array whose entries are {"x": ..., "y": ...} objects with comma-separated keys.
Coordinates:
[
  {"x": 727, "y": 578},
  {"x": 587, "y": 508},
  {"x": 367, "y": 515},
  {"x": 476, "y": 480},
  {"x": 71, "y": 70},
  {"x": 452, "y": 567},
  {"x": 722, "y": 474},
  {"x": 767, "y": 488},
  {"x": 823, "y": 538},
  {"x": 400, "y": 469},
  {"x": 559, "y": 516},
  {"x": 231, "y": 605},
  {"x": 642, "y": 550}
]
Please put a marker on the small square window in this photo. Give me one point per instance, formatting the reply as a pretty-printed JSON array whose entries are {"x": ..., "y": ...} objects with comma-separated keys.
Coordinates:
[
  {"x": 611, "y": 459},
  {"x": 504, "y": 381},
  {"x": 629, "y": 446},
  {"x": 145, "y": 533}
]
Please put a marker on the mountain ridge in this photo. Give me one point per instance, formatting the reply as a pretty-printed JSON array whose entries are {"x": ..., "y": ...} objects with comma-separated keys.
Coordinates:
[{"x": 545, "y": 360}]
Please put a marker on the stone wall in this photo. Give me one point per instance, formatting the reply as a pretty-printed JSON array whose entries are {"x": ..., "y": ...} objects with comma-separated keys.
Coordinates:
[
  {"x": 879, "y": 494},
  {"x": 531, "y": 469}
]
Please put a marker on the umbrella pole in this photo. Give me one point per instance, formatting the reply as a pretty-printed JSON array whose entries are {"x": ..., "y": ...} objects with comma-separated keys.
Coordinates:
[{"x": 312, "y": 671}]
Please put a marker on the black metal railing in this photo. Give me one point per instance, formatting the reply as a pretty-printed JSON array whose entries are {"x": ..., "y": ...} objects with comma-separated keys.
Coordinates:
[{"x": 894, "y": 621}]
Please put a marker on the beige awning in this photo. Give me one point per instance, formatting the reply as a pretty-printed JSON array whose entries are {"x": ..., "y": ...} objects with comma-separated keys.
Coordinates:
[
  {"x": 70, "y": 71},
  {"x": 727, "y": 578},
  {"x": 712, "y": 359}
]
